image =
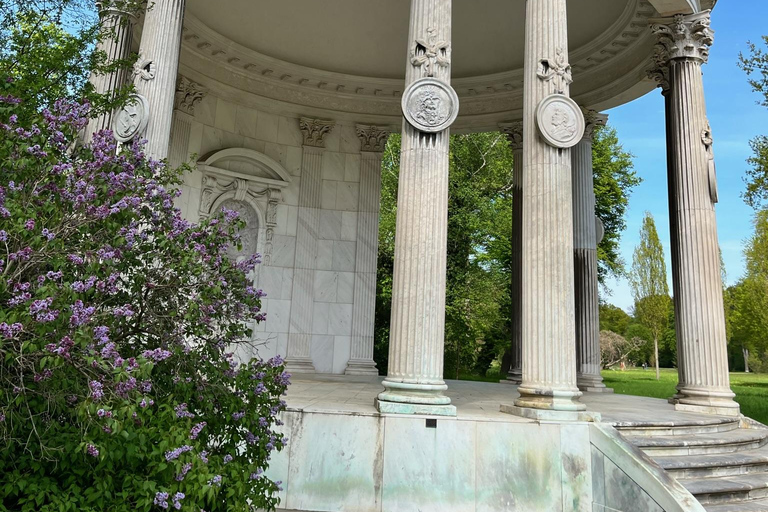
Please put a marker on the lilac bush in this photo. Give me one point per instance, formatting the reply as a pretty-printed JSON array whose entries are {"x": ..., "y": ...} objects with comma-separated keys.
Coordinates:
[{"x": 119, "y": 389}]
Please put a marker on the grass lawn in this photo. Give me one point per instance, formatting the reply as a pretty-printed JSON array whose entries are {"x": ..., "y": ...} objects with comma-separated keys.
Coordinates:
[{"x": 751, "y": 389}]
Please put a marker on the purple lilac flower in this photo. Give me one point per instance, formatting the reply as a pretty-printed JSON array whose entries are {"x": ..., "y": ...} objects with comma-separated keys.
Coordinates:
[
  {"x": 182, "y": 412},
  {"x": 10, "y": 331},
  {"x": 161, "y": 499},
  {"x": 184, "y": 470},
  {"x": 175, "y": 453},
  {"x": 3, "y": 235},
  {"x": 97, "y": 390},
  {"x": 102, "y": 413},
  {"x": 196, "y": 430},
  {"x": 257, "y": 474},
  {"x": 29, "y": 225},
  {"x": 146, "y": 403},
  {"x": 157, "y": 354},
  {"x": 49, "y": 235},
  {"x": 44, "y": 375},
  {"x": 125, "y": 311},
  {"x": 216, "y": 480},
  {"x": 80, "y": 314},
  {"x": 260, "y": 388},
  {"x": 92, "y": 451},
  {"x": 204, "y": 456},
  {"x": 237, "y": 416},
  {"x": 177, "y": 500}
]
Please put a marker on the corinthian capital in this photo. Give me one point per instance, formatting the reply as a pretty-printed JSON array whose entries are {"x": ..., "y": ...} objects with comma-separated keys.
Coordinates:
[
  {"x": 372, "y": 138},
  {"x": 592, "y": 119},
  {"x": 514, "y": 133},
  {"x": 188, "y": 95},
  {"x": 315, "y": 130},
  {"x": 683, "y": 37}
]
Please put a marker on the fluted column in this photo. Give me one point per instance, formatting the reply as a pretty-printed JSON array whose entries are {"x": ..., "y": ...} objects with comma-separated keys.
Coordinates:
[
  {"x": 299, "y": 353},
  {"x": 116, "y": 33},
  {"x": 683, "y": 46},
  {"x": 188, "y": 95},
  {"x": 514, "y": 132},
  {"x": 585, "y": 240},
  {"x": 549, "y": 345},
  {"x": 415, "y": 383},
  {"x": 373, "y": 139},
  {"x": 156, "y": 70}
]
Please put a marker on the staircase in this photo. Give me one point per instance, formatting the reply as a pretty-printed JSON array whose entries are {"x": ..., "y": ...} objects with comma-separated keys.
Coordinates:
[{"x": 723, "y": 462}]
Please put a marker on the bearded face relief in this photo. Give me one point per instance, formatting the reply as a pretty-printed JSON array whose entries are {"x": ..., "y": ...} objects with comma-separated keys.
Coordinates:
[
  {"x": 248, "y": 234},
  {"x": 430, "y": 105}
]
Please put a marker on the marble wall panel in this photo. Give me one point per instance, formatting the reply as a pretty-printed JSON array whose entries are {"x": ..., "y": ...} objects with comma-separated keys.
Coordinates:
[
  {"x": 349, "y": 142},
  {"x": 320, "y": 316},
  {"x": 345, "y": 288},
  {"x": 576, "y": 467},
  {"x": 341, "y": 350},
  {"x": 266, "y": 127},
  {"x": 293, "y": 160},
  {"x": 347, "y": 196},
  {"x": 288, "y": 132},
  {"x": 322, "y": 353},
  {"x": 278, "y": 316},
  {"x": 195, "y": 141},
  {"x": 349, "y": 226},
  {"x": 429, "y": 468},
  {"x": 283, "y": 249},
  {"x": 205, "y": 111},
  {"x": 328, "y": 195},
  {"x": 325, "y": 286},
  {"x": 254, "y": 144},
  {"x": 352, "y": 167},
  {"x": 215, "y": 139},
  {"x": 330, "y": 225},
  {"x": 225, "y": 116},
  {"x": 245, "y": 121},
  {"x": 340, "y": 319},
  {"x": 333, "y": 166},
  {"x": 324, "y": 259},
  {"x": 344, "y": 474},
  {"x": 623, "y": 493}
]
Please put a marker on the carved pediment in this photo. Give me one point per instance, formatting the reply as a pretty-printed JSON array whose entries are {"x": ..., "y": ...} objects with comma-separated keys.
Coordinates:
[{"x": 245, "y": 164}]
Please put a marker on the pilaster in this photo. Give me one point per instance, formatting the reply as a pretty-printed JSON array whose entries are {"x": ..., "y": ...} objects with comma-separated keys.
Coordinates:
[
  {"x": 682, "y": 48},
  {"x": 188, "y": 95},
  {"x": 585, "y": 240},
  {"x": 415, "y": 383},
  {"x": 156, "y": 71},
  {"x": 299, "y": 357},
  {"x": 548, "y": 326},
  {"x": 514, "y": 132},
  {"x": 116, "y": 34},
  {"x": 373, "y": 139}
]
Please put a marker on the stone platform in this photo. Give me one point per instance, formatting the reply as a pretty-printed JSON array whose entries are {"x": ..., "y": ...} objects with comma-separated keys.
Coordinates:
[{"x": 343, "y": 455}]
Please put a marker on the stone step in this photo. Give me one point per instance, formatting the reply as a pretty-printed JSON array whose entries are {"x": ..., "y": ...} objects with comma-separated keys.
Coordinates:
[
  {"x": 744, "y": 506},
  {"x": 718, "y": 464},
  {"x": 677, "y": 428},
  {"x": 697, "y": 444},
  {"x": 728, "y": 490}
]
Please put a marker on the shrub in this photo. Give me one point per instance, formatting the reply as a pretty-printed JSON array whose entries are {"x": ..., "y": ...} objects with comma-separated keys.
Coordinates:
[{"x": 117, "y": 388}]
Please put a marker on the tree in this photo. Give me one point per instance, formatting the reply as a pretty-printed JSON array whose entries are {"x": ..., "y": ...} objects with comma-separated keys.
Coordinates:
[
  {"x": 615, "y": 348},
  {"x": 118, "y": 386},
  {"x": 613, "y": 318},
  {"x": 755, "y": 65},
  {"x": 648, "y": 279}
]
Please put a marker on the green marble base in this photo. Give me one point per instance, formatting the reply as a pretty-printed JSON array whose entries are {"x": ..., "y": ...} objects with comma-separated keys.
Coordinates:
[
  {"x": 422, "y": 409},
  {"x": 550, "y": 415}
]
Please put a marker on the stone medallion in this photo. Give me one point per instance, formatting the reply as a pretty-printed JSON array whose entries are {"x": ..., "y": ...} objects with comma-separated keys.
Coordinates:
[
  {"x": 560, "y": 121},
  {"x": 430, "y": 105},
  {"x": 599, "y": 230},
  {"x": 131, "y": 119}
]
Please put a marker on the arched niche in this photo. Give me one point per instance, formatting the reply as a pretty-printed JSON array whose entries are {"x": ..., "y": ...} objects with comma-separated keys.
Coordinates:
[{"x": 246, "y": 177}]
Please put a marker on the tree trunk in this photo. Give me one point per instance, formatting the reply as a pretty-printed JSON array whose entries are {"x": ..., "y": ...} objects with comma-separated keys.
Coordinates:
[
  {"x": 656, "y": 355},
  {"x": 745, "y": 353}
]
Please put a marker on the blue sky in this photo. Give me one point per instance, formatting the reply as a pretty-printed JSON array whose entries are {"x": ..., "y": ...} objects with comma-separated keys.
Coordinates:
[{"x": 735, "y": 118}]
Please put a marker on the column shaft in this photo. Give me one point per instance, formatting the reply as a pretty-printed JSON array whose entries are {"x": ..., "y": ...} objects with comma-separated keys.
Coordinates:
[
  {"x": 585, "y": 240},
  {"x": 115, "y": 39},
  {"x": 549, "y": 365},
  {"x": 415, "y": 383},
  {"x": 366, "y": 252},
  {"x": 157, "y": 69}
]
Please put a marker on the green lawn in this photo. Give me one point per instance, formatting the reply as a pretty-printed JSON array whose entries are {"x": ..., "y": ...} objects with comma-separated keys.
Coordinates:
[{"x": 751, "y": 389}]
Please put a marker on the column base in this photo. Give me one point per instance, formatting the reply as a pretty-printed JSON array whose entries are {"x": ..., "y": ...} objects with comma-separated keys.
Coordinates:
[
  {"x": 592, "y": 384},
  {"x": 514, "y": 376},
  {"x": 414, "y": 398},
  {"x": 424, "y": 409},
  {"x": 549, "y": 399},
  {"x": 550, "y": 415},
  {"x": 361, "y": 367},
  {"x": 299, "y": 365},
  {"x": 706, "y": 402}
]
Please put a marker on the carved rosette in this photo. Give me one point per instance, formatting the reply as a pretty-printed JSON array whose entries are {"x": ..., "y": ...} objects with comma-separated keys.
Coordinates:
[
  {"x": 188, "y": 95},
  {"x": 592, "y": 119},
  {"x": 682, "y": 37},
  {"x": 372, "y": 138},
  {"x": 315, "y": 130},
  {"x": 514, "y": 133},
  {"x": 429, "y": 53},
  {"x": 556, "y": 70}
]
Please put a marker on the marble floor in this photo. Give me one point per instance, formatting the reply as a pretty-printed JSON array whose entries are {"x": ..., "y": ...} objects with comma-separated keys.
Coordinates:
[{"x": 342, "y": 394}]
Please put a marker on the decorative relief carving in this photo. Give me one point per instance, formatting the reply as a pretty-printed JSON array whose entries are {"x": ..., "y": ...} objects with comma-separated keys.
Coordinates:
[
  {"x": 315, "y": 130},
  {"x": 143, "y": 71},
  {"x": 131, "y": 119},
  {"x": 429, "y": 53},
  {"x": 430, "y": 105},
  {"x": 188, "y": 95},
  {"x": 683, "y": 37},
  {"x": 592, "y": 119},
  {"x": 273, "y": 197},
  {"x": 560, "y": 121},
  {"x": 708, "y": 141},
  {"x": 599, "y": 230},
  {"x": 514, "y": 133},
  {"x": 660, "y": 69},
  {"x": 556, "y": 70},
  {"x": 372, "y": 138}
]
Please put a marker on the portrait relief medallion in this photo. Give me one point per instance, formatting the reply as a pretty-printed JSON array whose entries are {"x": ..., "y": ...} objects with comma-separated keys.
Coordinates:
[
  {"x": 430, "y": 105},
  {"x": 560, "y": 121},
  {"x": 131, "y": 119}
]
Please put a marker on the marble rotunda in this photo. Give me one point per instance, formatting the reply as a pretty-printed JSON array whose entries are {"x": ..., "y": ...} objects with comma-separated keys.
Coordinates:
[{"x": 284, "y": 109}]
